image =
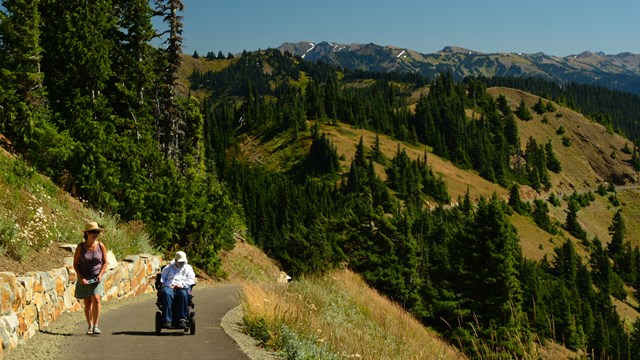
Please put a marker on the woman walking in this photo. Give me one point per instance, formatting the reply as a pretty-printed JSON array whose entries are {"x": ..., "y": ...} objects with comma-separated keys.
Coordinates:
[{"x": 89, "y": 262}]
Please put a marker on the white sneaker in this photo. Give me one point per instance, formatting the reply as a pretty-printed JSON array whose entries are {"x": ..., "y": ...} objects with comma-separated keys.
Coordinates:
[
  {"x": 96, "y": 331},
  {"x": 90, "y": 330}
]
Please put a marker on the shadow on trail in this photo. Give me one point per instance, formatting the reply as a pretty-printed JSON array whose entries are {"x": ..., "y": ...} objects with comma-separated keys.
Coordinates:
[
  {"x": 148, "y": 333},
  {"x": 56, "y": 333}
]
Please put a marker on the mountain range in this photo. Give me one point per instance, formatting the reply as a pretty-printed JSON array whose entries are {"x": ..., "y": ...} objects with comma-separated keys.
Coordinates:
[{"x": 617, "y": 72}]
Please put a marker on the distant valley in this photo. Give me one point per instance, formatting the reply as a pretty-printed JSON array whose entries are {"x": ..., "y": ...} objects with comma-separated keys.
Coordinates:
[{"x": 616, "y": 72}]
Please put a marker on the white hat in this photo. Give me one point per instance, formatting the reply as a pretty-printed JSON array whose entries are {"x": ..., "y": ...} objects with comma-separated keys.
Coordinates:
[{"x": 181, "y": 256}]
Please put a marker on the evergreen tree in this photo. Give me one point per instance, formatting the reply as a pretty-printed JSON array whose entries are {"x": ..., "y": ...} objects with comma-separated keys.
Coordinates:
[
  {"x": 553, "y": 164},
  {"x": 79, "y": 67},
  {"x": 490, "y": 259},
  {"x": 24, "y": 114},
  {"x": 537, "y": 165},
  {"x": 503, "y": 105},
  {"x": 601, "y": 268},
  {"x": 20, "y": 43},
  {"x": 635, "y": 338},
  {"x": 376, "y": 152},
  {"x": 515, "y": 201},
  {"x": 550, "y": 107},
  {"x": 167, "y": 111},
  {"x": 635, "y": 159},
  {"x": 523, "y": 111},
  {"x": 539, "y": 107},
  {"x": 618, "y": 231},
  {"x": 567, "y": 269},
  {"x": 620, "y": 250},
  {"x": 511, "y": 131},
  {"x": 466, "y": 205},
  {"x": 571, "y": 224},
  {"x": 323, "y": 155},
  {"x": 541, "y": 216},
  {"x": 358, "y": 176}
]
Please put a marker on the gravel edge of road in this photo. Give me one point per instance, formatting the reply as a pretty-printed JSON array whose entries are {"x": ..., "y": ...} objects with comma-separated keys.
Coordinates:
[
  {"x": 49, "y": 344},
  {"x": 232, "y": 324}
]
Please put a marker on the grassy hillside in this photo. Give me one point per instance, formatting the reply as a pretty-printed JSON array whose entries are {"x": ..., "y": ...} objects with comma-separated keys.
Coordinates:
[
  {"x": 586, "y": 163},
  {"x": 589, "y": 155},
  {"x": 190, "y": 64},
  {"x": 328, "y": 316},
  {"x": 592, "y": 157},
  {"x": 337, "y": 315},
  {"x": 36, "y": 217}
]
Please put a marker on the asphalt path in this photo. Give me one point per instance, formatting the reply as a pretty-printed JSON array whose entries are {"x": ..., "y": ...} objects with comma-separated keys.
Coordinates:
[{"x": 129, "y": 332}]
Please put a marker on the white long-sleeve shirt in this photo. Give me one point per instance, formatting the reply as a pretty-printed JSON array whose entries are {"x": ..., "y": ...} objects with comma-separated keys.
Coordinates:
[{"x": 172, "y": 276}]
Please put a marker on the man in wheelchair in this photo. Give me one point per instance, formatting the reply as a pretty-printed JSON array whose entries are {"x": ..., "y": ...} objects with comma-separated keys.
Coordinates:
[{"x": 176, "y": 281}]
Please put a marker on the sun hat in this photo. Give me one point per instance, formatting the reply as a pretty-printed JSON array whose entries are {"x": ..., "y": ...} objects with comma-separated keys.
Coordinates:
[
  {"x": 92, "y": 226},
  {"x": 181, "y": 256}
]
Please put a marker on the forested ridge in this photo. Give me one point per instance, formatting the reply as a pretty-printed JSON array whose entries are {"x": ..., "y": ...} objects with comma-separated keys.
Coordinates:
[
  {"x": 452, "y": 265},
  {"x": 617, "y": 110},
  {"x": 88, "y": 101}
]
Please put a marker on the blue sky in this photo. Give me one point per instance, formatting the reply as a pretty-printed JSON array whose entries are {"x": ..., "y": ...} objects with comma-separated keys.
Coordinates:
[{"x": 555, "y": 27}]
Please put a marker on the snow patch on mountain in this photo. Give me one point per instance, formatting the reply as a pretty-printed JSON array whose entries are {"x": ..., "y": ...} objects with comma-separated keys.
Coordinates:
[{"x": 311, "y": 48}]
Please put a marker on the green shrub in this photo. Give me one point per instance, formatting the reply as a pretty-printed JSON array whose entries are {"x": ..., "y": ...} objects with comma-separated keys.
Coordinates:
[
  {"x": 257, "y": 328},
  {"x": 8, "y": 239},
  {"x": 296, "y": 347}
]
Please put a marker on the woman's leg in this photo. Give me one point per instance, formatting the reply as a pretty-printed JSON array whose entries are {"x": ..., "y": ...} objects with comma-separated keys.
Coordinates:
[
  {"x": 88, "y": 312},
  {"x": 96, "y": 306}
]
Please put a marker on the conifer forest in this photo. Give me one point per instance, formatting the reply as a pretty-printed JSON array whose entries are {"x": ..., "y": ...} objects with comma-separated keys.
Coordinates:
[{"x": 87, "y": 100}]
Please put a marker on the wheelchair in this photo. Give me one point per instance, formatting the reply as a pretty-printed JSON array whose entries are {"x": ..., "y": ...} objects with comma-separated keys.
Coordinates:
[{"x": 190, "y": 326}]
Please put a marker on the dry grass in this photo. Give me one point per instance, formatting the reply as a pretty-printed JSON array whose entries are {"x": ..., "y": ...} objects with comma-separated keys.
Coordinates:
[
  {"x": 346, "y": 137},
  {"x": 587, "y": 162},
  {"x": 627, "y": 309},
  {"x": 337, "y": 312},
  {"x": 535, "y": 242},
  {"x": 337, "y": 315},
  {"x": 190, "y": 64},
  {"x": 630, "y": 199},
  {"x": 246, "y": 262}
]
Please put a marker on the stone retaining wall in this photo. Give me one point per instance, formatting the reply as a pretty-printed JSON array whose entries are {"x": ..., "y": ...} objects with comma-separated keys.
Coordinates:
[{"x": 30, "y": 302}]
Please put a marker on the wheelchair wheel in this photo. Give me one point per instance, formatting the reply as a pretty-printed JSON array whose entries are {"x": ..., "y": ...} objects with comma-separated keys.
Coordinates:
[
  {"x": 158, "y": 322},
  {"x": 192, "y": 323}
]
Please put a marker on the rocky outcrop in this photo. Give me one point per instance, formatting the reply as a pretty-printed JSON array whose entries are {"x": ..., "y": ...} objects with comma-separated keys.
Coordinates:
[{"x": 30, "y": 302}]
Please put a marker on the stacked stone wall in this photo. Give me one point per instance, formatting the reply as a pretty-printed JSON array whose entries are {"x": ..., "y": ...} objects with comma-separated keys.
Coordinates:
[{"x": 32, "y": 301}]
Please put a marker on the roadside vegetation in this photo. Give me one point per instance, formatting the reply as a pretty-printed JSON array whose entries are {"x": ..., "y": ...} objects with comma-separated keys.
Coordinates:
[
  {"x": 337, "y": 316},
  {"x": 35, "y": 214}
]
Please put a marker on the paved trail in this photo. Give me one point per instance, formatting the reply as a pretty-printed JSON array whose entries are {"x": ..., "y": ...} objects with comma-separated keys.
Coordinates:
[{"x": 129, "y": 332}]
